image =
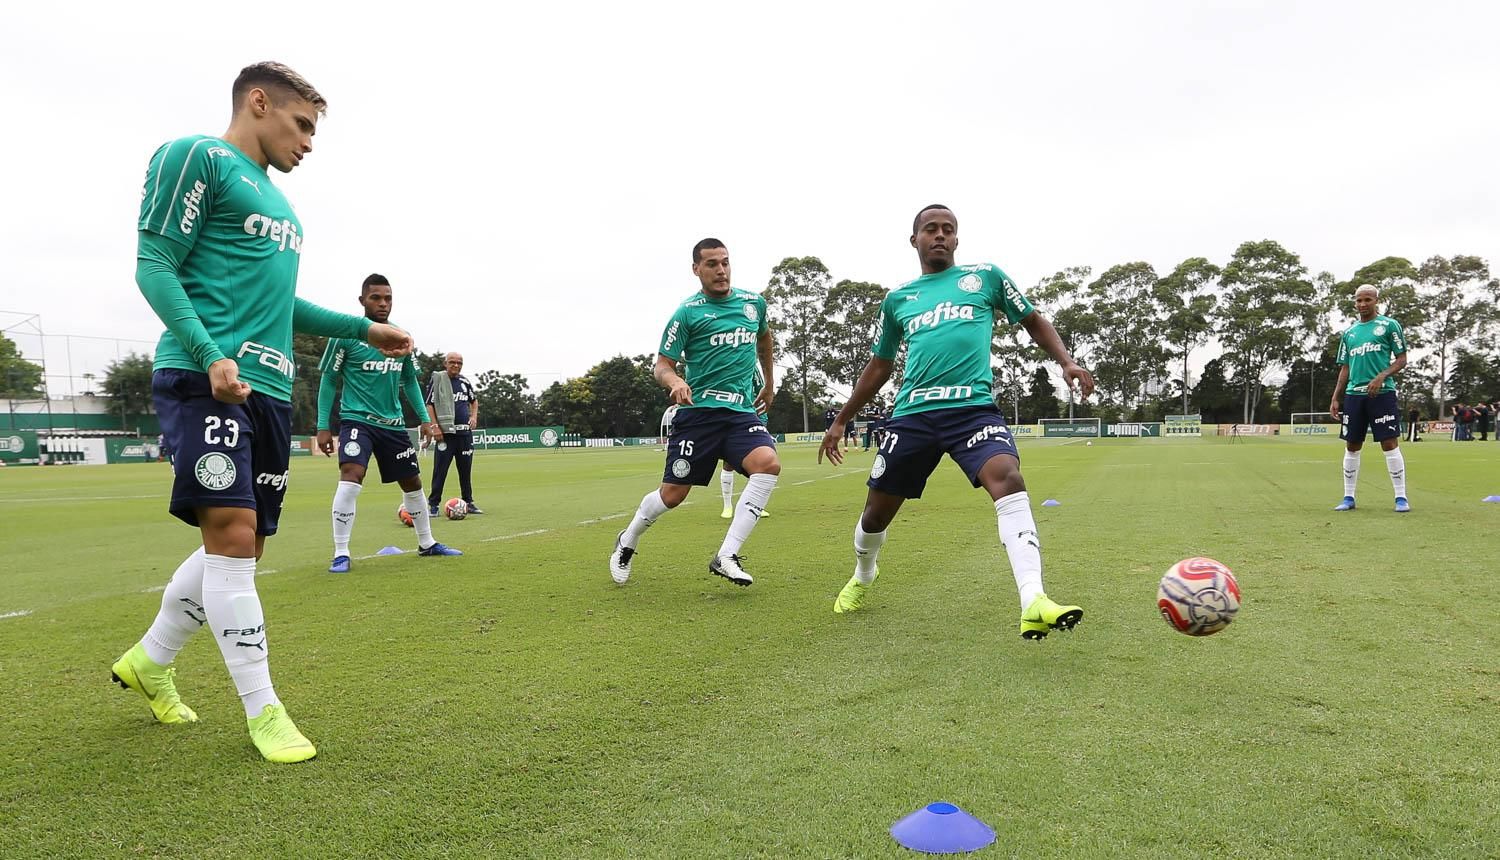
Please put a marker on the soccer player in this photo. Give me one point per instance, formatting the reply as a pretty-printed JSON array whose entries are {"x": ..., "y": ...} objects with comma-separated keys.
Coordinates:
[
  {"x": 946, "y": 317},
  {"x": 1371, "y": 353},
  {"x": 216, "y": 257},
  {"x": 371, "y": 422},
  {"x": 455, "y": 412},
  {"x": 719, "y": 333}
]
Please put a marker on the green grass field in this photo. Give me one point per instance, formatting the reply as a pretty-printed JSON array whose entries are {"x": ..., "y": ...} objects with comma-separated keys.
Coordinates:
[{"x": 516, "y": 703}]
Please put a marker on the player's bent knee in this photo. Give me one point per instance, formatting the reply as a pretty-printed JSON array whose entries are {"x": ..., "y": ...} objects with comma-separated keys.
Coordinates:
[{"x": 673, "y": 495}]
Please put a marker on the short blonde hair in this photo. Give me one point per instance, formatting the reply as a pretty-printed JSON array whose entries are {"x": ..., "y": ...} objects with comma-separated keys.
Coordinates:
[{"x": 276, "y": 76}]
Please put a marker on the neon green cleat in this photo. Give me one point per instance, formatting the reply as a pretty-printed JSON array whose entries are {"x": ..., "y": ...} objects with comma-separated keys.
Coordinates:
[
  {"x": 277, "y": 738},
  {"x": 1044, "y": 615},
  {"x": 727, "y": 513},
  {"x": 852, "y": 596},
  {"x": 135, "y": 671}
]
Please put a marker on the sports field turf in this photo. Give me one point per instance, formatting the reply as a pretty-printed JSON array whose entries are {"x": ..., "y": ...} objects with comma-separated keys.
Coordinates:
[{"x": 516, "y": 703}]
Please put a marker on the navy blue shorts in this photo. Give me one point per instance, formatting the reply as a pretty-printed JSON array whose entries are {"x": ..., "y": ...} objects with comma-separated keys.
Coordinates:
[
  {"x": 225, "y": 455},
  {"x": 1377, "y": 414},
  {"x": 392, "y": 449},
  {"x": 912, "y": 445},
  {"x": 702, "y": 437}
]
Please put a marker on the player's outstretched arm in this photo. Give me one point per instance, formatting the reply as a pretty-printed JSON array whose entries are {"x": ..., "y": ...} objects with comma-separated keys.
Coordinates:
[
  {"x": 874, "y": 377},
  {"x": 765, "y": 347},
  {"x": 1338, "y": 391},
  {"x": 666, "y": 376},
  {"x": 309, "y": 318},
  {"x": 1045, "y": 336}
]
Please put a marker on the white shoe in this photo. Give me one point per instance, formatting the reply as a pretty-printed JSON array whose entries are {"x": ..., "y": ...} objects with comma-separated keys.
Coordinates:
[
  {"x": 728, "y": 566},
  {"x": 619, "y": 561}
]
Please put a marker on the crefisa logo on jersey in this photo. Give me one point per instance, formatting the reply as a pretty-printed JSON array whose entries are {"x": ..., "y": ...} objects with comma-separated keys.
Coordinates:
[
  {"x": 190, "y": 203},
  {"x": 283, "y": 232},
  {"x": 387, "y": 365},
  {"x": 970, "y": 283}
]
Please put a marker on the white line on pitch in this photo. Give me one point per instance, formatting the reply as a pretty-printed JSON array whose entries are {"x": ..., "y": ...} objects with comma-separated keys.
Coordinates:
[
  {"x": 19, "y": 613},
  {"x": 79, "y": 498},
  {"x": 602, "y": 519},
  {"x": 516, "y": 535}
]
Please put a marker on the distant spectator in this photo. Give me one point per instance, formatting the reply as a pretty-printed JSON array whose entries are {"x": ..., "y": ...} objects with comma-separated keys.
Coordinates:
[
  {"x": 1463, "y": 417},
  {"x": 1413, "y": 417},
  {"x": 1482, "y": 416}
]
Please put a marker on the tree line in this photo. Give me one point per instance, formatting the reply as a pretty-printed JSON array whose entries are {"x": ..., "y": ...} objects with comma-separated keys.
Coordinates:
[{"x": 1269, "y": 328}]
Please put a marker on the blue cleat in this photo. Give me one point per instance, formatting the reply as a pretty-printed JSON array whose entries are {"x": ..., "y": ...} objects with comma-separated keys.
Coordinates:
[
  {"x": 1402, "y": 505},
  {"x": 340, "y": 564},
  {"x": 432, "y": 510},
  {"x": 1346, "y": 505},
  {"x": 439, "y": 549}
]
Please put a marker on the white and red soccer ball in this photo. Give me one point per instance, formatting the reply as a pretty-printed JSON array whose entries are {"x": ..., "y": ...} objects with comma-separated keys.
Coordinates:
[
  {"x": 1198, "y": 596},
  {"x": 455, "y": 509}
]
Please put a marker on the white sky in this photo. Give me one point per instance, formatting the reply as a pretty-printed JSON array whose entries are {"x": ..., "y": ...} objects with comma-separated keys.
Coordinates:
[{"x": 533, "y": 177}]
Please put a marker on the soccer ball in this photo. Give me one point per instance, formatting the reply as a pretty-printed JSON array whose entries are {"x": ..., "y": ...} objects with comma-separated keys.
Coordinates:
[
  {"x": 455, "y": 509},
  {"x": 1198, "y": 596},
  {"x": 404, "y": 516}
]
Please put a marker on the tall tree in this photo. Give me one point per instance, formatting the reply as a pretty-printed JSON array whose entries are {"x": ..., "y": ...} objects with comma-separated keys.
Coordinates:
[
  {"x": 1131, "y": 328},
  {"x": 506, "y": 400},
  {"x": 626, "y": 398},
  {"x": 1187, "y": 298},
  {"x": 1268, "y": 306},
  {"x": 1012, "y": 359},
  {"x": 795, "y": 298},
  {"x": 569, "y": 403},
  {"x": 19, "y": 378},
  {"x": 1458, "y": 297},
  {"x": 127, "y": 382},
  {"x": 1041, "y": 401},
  {"x": 849, "y": 311},
  {"x": 1061, "y": 296},
  {"x": 307, "y": 354},
  {"x": 1213, "y": 393}
]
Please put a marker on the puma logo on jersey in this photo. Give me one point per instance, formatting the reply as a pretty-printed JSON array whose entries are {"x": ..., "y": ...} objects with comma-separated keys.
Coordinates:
[
  {"x": 943, "y": 312},
  {"x": 253, "y": 184},
  {"x": 283, "y": 232},
  {"x": 190, "y": 203}
]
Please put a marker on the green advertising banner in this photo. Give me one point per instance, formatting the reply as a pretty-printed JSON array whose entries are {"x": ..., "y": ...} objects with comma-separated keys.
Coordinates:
[
  {"x": 1132, "y": 430},
  {"x": 1070, "y": 428},
  {"x": 518, "y": 437},
  {"x": 125, "y": 450},
  {"x": 18, "y": 448}
]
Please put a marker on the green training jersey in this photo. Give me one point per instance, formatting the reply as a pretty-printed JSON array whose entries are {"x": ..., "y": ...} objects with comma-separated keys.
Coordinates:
[
  {"x": 373, "y": 384},
  {"x": 243, "y": 244},
  {"x": 1368, "y": 348},
  {"x": 947, "y": 320},
  {"x": 716, "y": 339}
]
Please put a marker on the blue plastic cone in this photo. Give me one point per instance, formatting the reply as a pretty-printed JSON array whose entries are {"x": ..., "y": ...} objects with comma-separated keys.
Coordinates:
[
  {"x": 391, "y": 550},
  {"x": 1051, "y": 503},
  {"x": 942, "y": 828}
]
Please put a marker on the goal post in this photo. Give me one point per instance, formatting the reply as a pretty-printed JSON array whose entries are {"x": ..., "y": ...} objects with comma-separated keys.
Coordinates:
[
  {"x": 1313, "y": 418},
  {"x": 1313, "y": 424}
]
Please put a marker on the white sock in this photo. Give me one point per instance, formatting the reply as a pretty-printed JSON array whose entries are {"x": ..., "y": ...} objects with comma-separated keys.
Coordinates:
[
  {"x": 344, "y": 501},
  {"x": 651, "y": 507},
  {"x": 726, "y": 486},
  {"x": 1022, "y": 544},
  {"x": 747, "y": 513},
  {"x": 1351, "y": 471},
  {"x": 866, "y": 549},
  {"x": 181, "y": 612},
  {"x": 416, "y": 505},
  {"x": 239, "y": 626},
  {"x": 1396, "y": 465}
]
